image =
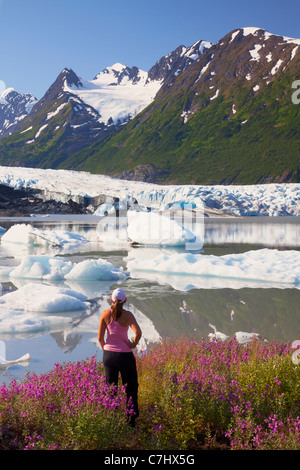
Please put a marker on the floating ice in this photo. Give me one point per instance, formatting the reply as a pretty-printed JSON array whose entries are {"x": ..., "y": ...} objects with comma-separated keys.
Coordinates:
[
  {"x": 27, "y": 235},
  {"x": 185, "y": 271},
  {"x": 43, "y": 299},
  {"x": 151, "y": 228},
  {"x": 217, "y": 334},
  {"x": 96, "y": 270},
  {"x": 148, "y": 228},
  {"x": 42, "y": 267},
  {"x": 37, "y": 307},
  {"x": 242, "y": 337},
  {"x": 52, "y": 268}
]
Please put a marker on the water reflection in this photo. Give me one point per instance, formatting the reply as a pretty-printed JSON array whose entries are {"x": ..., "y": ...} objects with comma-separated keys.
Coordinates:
[{"x": 260, "y": 231}]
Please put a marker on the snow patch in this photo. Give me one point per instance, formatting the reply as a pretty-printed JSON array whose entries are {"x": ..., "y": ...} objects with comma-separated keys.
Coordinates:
[
  {"x": 26, "y": 130},
  {"x": 215, "y": 95},
  {"x": 276, "y": 67},
  {"x": 269, "y": 57},
  {"x": 54, "y": 113},
  {"x": 204, "y": 69},
  {"x": 233, "y": 36},
  {"x": 250, "y": 30},
  {"x": 40, "y": 131},
  {"x": 294, "y": 52},
  {"x": 254, "y": 53}
]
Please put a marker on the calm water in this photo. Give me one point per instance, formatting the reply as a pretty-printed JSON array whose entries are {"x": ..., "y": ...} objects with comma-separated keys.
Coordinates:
[{"x": 164, "y": 311}]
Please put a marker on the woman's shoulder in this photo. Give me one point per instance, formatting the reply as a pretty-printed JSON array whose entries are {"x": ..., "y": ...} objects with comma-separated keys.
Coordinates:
[
  {"x": 126, "y": 318},
  {"x": 106, "y": 314},
  {"x": 129, "y": 315}
]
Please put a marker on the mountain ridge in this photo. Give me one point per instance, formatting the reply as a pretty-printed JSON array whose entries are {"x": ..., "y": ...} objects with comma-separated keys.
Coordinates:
[
  {"x": 228, "y": 119},
  {"x": 14, "y": 107},
  {"x": 218, "y": 113}
]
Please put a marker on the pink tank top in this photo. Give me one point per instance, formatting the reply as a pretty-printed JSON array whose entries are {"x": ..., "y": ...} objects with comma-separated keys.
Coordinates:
[{"x": 117, "y": 337}]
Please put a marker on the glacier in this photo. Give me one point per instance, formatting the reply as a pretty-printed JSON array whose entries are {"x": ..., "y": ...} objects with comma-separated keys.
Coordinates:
[{"x": 236, "y": 200}]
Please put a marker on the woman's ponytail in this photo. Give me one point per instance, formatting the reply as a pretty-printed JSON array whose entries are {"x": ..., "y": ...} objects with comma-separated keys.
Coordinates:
[{"x": 116, "y": 310}]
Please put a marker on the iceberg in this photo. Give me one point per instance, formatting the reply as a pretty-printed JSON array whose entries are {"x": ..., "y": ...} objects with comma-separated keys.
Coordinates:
[
  {"x": 151, "y": 228},
  {"x": 242, "y": 337},
  {"x": 29, "y": 236},
  {"x": 96, "y": 270},
  {"x": 184, "y": 271},
  {"x": 42, "y": 267},
  {"x": 54, "y": 268},
  {"x": 43, "y": 299},
  {"x": 23, "y": 360},
  {"x": 37, "y": 307}
]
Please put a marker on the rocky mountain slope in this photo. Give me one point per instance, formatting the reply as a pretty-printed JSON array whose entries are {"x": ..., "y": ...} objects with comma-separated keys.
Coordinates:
[
  {"x": 228, "y": 118},
  {"x": 14, "y": 107},
  {"x": 74, "y": 113},
  {"x": 209, "y": 114}
]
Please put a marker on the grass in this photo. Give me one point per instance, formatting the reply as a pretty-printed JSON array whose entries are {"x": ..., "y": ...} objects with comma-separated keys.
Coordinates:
[{"x": 193, "y": 394}]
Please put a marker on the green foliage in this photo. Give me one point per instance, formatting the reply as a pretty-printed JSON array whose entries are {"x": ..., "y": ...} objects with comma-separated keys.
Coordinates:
[{"x": 260, "y": 143}]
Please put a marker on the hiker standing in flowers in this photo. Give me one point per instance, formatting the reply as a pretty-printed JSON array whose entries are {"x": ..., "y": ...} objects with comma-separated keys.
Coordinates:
[{"x": 117, "y": 348}]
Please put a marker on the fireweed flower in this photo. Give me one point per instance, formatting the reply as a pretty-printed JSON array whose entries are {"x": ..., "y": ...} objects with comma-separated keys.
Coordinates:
[{"x": 188, "y": 390}]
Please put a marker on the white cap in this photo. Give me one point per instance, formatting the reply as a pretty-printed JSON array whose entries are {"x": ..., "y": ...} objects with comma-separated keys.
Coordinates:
[{"x": 118, "y": 294}]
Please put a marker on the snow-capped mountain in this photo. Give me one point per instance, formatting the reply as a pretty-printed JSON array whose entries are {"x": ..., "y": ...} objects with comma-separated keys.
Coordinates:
[
  {"x": 228, "y": 118},
  {"x": 117, "y": 93},
  {"x": 14, "y": 107},
  {"x": 209, "y": 114},
  {"x": 76, "y": 112},
  {"x": 177, "y": 61}
]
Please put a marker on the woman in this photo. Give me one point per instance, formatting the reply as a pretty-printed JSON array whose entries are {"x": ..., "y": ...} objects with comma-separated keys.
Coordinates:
[{"x": 117, "y": 348}]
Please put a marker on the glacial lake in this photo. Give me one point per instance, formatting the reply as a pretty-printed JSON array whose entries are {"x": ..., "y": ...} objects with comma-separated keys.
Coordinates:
[{"x": 161, "y": 306}]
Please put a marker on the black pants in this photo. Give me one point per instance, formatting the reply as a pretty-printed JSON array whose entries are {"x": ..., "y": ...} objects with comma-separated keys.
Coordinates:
[{"x": 125, "y": 363}]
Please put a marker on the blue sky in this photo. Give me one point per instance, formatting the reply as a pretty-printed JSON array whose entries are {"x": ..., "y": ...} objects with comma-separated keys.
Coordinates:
[{"x": 39, "y": 38}]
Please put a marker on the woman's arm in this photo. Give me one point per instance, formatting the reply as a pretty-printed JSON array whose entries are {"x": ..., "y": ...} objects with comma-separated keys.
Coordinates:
[
  {"x": 101, "y": 329},
  {"x": 137, "y": 331}
]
